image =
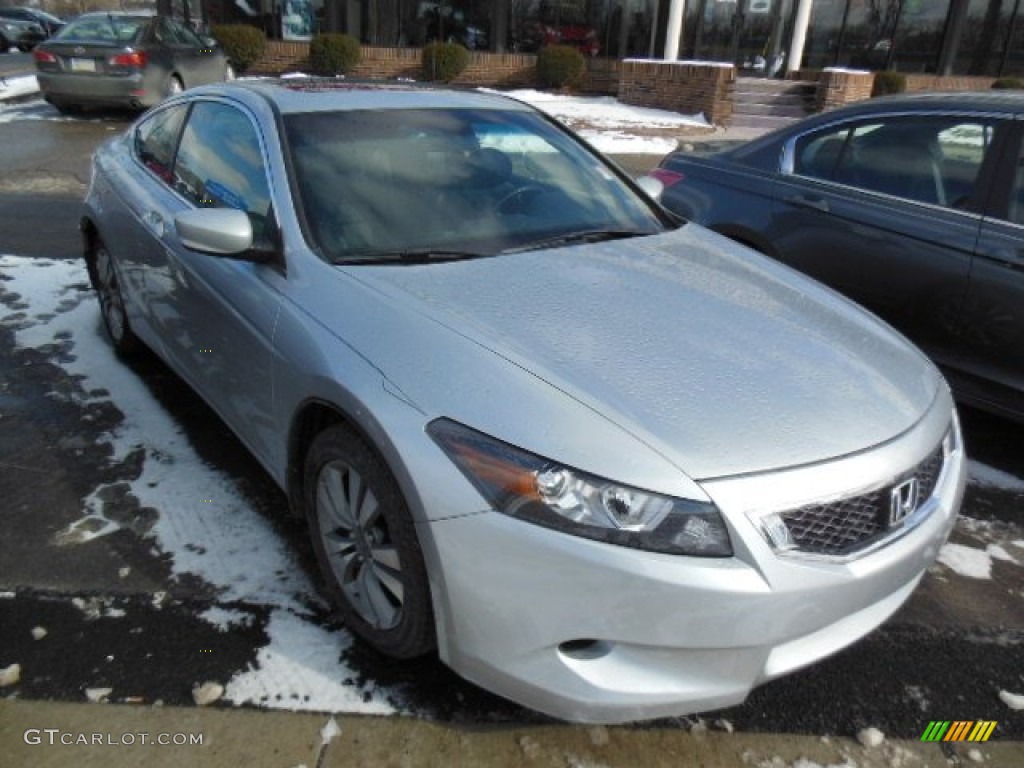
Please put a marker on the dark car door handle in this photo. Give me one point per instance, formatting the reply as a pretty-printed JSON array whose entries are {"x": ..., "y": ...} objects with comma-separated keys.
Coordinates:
[
  {"x": 809, "y": 201},
  {"x": 1007, "y": 257}
]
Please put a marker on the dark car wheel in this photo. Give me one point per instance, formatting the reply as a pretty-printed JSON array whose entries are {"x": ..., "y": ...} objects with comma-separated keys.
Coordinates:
[
  {"x": 366, "y": 545},
  {"x": 67, "y": 109},
  {"x": 112, "y": 308}
]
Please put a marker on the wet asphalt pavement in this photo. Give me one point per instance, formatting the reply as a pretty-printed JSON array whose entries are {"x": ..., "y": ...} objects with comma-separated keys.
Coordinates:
[{"x": 116, "y": 617}]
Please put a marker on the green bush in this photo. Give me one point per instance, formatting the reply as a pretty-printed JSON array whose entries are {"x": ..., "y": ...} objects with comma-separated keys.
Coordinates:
[
  {"x": 560, "y": 66},
  {"x": 243, "y": 44},
  {"x": 1011, "y": 83},
  {"x": 888, "y": 82},
  {"x": 333, "y": 54},
  {"x": 444, "y": 61}
]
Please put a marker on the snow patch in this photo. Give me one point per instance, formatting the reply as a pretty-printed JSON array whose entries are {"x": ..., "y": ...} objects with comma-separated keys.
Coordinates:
[
  {"x": 224, "y": 541},
  {"x": 1014, "y": 701},
  {"x": 301, "y": 670},
  {"x": 966, "y": 561},
  {"x": 983, "y": 474},
  {"x": 13, "y": 87},
  {"x": 226, "y": 619}
]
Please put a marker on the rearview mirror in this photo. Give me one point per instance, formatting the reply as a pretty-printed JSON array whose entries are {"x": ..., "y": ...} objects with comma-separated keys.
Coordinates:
[
  {"x": 220, "y": 231},
  {"x": 652, "y": 186}
]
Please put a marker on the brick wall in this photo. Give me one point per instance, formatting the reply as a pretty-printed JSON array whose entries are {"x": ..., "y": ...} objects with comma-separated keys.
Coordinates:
[
  {"x": 948, "y": 83},
  {"x": 502, "y": 70},
  {"x": 837, "y": 88},
  {"x": 686, "y": 87}
]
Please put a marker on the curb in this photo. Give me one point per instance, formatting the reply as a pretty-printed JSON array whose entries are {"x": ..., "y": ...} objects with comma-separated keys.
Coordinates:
[{"x": 58, "y": 733}]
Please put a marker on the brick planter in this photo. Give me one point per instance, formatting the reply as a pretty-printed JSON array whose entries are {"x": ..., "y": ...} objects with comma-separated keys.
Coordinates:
[{"x": 681, "y": 86}]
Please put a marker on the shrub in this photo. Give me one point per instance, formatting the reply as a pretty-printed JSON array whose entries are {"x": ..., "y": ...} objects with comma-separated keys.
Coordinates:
[
  {"x": 1013, "y": 83},
  {"x": 333, "y": 54},
  {"x": 888, "y": 82},
  {"x": 444, "y": 61},
  {"x": 242, "y": 44},
  {"x": 560, "y": 66}
]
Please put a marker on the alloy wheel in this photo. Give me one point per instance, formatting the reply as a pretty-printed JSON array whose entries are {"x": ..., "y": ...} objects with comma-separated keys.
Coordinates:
[{"x": 359, "y": 546}]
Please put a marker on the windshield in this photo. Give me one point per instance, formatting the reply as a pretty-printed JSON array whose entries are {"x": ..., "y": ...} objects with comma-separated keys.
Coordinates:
[
  {"x": 104, "y": 29},
  {"x": 383, "y": 183}
]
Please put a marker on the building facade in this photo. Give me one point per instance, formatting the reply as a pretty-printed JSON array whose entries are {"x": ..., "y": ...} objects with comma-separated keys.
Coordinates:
[{"x": 977, "y": 37}]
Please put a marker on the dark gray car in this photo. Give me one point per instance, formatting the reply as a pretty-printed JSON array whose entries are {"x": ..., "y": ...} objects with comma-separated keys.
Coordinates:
[
  {"x": 125, "y": 60},
  {"x": 911, "y": 205},
  {"x": 24, "y": 35}
]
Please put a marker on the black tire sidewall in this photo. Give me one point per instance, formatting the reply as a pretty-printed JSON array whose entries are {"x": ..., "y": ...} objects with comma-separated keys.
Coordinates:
[
  {"x": 414, "y": 634},
  {"x": 128, "y": 344}
]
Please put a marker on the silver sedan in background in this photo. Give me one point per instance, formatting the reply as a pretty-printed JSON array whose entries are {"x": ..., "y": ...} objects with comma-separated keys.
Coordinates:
[
  {"x": 610, "y": 465},
  {"x": 125, "y": 59}
]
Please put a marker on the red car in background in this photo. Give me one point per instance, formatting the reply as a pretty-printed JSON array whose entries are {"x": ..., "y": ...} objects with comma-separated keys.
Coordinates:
[{"x": 537, "y": 34}]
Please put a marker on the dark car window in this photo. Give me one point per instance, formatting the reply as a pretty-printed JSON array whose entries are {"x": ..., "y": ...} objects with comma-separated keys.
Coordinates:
[
  {"x": 931, "y": 160},
  {"x": 105, "y": 29},
  {"x": 220, "y": 163},
  {"x": 182, "y": 35},
  {"x": 156, "y": 139}
]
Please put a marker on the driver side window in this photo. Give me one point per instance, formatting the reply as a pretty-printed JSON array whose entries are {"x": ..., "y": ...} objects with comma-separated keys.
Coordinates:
[{"x": 220, "y": 164}]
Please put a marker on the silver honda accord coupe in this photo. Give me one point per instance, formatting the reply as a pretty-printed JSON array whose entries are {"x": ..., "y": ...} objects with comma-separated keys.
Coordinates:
[{"x": 608, "y": 464}]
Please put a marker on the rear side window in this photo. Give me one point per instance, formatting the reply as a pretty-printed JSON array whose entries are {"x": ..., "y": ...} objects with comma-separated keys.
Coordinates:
[
  {"x": 934, "y": 159},
  {"x": 156, "y": 139}
]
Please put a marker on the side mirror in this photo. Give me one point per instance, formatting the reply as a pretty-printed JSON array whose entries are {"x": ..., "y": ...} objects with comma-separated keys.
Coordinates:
[
  {"x": 209, "y": 42},
  {"x": 219, "y": 231},
  {"x": 652, "y": 186}
]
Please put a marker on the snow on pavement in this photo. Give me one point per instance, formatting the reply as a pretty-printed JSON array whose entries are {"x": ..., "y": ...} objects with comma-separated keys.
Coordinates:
[
  {"x": 21, "y": 85},
  {"x": 204, "y": 522},
  {"x": 609, "y": 125}
]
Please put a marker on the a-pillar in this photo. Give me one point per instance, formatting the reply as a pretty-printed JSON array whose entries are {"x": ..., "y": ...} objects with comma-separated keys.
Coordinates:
[
  {"x": 674, "y": 29},
  {"x": 796, "y": 47}
]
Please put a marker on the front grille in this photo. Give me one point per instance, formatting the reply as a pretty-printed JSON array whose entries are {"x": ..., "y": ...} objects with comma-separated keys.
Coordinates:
[{"x": 846, "y": 525}]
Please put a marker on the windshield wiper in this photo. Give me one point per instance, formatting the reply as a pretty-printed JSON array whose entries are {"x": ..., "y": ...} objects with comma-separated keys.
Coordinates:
[
  {"x": 579, "y": 238},
  {"x": 409, "y": 256}
]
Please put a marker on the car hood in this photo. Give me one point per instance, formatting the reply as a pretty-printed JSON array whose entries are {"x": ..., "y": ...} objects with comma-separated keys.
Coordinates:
[{"x": 719, "y": 359}]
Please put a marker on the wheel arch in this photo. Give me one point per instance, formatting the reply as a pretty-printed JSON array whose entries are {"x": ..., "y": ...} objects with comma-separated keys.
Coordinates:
[{"x": 317, "y": 414}]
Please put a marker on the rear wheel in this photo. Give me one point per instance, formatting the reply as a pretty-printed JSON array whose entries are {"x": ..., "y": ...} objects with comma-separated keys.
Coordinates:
[
  {"x": 366, "y": 545},
  {"x": 67, "y": 109},
  {"x": 112, "y": 307}
]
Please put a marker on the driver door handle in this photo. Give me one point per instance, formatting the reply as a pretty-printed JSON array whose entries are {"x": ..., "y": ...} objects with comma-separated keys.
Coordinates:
[{"x": 809, "y": 201}]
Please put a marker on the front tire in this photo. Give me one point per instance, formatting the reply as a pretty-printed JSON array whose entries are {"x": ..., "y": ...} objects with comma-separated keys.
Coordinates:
[
  {"x": 366, "y": 545},
  {"x": 112, "y": 306}
]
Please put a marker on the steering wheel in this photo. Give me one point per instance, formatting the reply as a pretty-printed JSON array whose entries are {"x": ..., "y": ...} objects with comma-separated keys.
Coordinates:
[{"x": 518, "y": 196}]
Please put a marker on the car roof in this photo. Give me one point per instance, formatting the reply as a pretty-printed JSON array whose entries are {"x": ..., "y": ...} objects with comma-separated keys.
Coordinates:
[
  {"x": 998, "y": 100},
  {"x": 140, "y": 13},
  {"x": 310, "y": 94}
]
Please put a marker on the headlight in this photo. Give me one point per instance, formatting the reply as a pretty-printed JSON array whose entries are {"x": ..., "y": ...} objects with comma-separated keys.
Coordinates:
[{"x": 541, "y": 491}]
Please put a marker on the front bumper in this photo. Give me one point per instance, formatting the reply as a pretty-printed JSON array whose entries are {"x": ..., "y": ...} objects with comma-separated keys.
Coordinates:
[{"x": 591, "y": 632}]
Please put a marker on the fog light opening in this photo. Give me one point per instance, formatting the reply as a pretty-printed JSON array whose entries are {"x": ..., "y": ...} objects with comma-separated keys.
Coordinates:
[{"x": 585, "y": 649}]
